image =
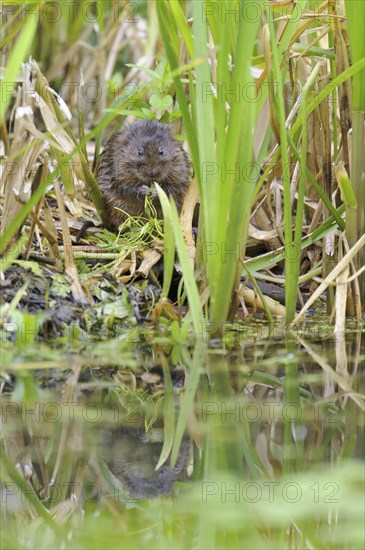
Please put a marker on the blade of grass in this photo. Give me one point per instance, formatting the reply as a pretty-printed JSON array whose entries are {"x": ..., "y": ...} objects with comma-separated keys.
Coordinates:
[
  {"x": 196, "y": 369},
  {"x": 204, "y": 125},
  {"x": 168, "y": 413},
  {"x": 180, "y": 20},
  {"x": 355, "y": 12},
  {"x": 168, "y": 244},
  {"x": 188, "y": 275},
  {"x": 17, "y": 56}
]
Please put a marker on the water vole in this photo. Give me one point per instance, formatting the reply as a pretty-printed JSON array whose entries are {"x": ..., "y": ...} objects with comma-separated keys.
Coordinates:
[{"x": 144, "y": 152}]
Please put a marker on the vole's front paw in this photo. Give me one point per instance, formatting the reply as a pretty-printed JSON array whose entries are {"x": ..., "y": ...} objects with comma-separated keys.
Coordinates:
[
  {"x": 154, "y": 192},
  {"x": 144, "y": 190}
]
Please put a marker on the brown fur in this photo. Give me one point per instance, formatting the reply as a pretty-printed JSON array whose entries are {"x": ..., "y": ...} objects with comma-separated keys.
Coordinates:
[{"x": 132, "y": 161}]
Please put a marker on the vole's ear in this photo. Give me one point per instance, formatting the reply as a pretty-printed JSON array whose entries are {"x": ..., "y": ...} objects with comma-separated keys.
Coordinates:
[
  {"x": 168, "y": 128},
  {"x": 130, "y": 128}
]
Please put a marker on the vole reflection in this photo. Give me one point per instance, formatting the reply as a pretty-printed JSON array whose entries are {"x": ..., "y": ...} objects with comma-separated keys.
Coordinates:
[{"x": 131, "y": 455}]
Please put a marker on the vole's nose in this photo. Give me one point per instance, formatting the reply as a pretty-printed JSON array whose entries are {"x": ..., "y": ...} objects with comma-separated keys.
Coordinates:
[{"x": 152, "y": 173}]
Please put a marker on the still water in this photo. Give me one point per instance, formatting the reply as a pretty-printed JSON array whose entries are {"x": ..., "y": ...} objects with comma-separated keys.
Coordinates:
[{"x": 254, "y": 442}]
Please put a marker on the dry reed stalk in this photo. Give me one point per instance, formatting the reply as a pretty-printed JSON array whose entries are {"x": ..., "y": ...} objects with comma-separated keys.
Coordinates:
[
  {"x": 25, "y": 148},
  {"x": 331, "y": 277}
]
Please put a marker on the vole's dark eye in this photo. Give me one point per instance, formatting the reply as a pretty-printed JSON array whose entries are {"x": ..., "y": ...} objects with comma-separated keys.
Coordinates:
[
  {"x": 140, "y": 152},
  {"x": 160, "y": 151}
]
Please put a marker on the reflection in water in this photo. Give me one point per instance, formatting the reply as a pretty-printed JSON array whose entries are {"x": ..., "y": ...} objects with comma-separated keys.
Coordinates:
[
  {"x": 273, "y": 416},
  {"x": 132, "y": 455}
]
